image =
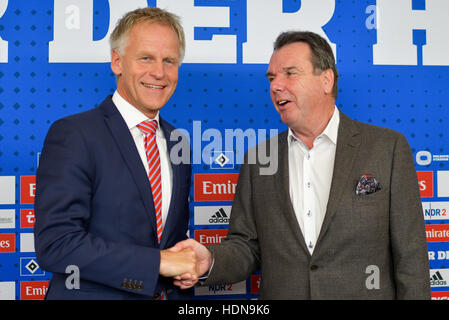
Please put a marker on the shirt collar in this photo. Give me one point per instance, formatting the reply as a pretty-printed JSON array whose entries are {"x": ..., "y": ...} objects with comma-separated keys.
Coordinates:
[
  {"x": 331, "y": 130},
  {"x": 130, "y": 114}
]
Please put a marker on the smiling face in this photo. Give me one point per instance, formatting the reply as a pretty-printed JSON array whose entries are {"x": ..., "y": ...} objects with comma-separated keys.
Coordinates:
[
  {"x": 147, "y": 72},
  {"x": 301, "y": 95}
]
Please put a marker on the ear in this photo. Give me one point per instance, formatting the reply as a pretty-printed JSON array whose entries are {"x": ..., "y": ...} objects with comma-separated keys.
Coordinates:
[
  {"x": 327, "y": 79},
  {"x": 116, "y": 63}
]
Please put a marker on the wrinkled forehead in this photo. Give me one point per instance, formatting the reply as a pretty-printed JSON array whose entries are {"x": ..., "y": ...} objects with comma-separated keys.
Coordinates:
[
  {"x": 296, "y": 54},
  {"x": 144, "y": 31}
]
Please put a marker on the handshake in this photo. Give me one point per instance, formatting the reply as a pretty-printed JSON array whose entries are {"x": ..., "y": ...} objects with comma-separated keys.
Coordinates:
[{"x": 185, "y": 262}]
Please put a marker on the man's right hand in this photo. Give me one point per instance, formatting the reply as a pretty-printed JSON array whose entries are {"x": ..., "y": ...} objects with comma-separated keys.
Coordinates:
[
  {"x": 204, "y": 262},
  {"x": 177, "y": 262}
]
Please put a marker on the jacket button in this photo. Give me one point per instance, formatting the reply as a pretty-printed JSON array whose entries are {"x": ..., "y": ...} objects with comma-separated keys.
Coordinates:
[
  {"x": 156, "y": 296},
  {"x": 313, "y": 267}
]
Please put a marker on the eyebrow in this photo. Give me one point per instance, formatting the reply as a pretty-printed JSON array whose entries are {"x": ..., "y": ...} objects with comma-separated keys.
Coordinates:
[
  {"x": 173, "y": 59},
  {"x": 285, "y": 69}
]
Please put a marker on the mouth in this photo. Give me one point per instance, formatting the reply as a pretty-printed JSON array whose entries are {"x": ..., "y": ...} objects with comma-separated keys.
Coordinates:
[
  {"x": 282, "y": 103},
  {"x": 153, "y": 86}
]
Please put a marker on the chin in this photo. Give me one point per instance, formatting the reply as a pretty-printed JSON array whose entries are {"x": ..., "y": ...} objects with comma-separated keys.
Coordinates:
[
  {"x": 148, "y": 110},
  {"x": 287, "y": 120}
]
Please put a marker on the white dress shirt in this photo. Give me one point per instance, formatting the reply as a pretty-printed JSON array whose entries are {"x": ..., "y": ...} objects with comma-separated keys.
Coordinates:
[
  {"x": 310, "y": 176},
  {"x": 133, "y": 117}
]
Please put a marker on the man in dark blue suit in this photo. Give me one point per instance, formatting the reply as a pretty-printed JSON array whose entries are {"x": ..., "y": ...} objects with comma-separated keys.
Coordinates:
[{"x": 98, "y": 206}]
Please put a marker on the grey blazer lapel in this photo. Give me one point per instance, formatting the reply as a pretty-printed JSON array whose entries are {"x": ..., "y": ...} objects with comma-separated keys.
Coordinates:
[
  {"x": 348, "y": 143},
  {"x": 283, "y": 185}
]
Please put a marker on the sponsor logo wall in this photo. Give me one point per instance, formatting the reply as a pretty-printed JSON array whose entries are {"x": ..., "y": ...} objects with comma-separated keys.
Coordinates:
[{"x": 54, "y": 62}]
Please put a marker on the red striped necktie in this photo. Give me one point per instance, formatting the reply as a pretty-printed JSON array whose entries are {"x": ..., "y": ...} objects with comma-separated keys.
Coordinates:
[{"x": 148, "y": 127}]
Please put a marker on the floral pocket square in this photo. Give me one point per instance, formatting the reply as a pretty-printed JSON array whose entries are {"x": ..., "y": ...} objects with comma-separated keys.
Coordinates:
[{"x": 367, "y": 184}]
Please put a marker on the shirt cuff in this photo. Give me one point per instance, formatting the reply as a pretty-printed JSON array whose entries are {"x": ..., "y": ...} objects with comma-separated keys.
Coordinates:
[{"x": 204, "y": 277}]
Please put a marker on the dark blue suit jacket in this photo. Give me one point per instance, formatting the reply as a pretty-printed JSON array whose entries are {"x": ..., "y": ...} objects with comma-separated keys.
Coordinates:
[{"x": 94, "y": 209}]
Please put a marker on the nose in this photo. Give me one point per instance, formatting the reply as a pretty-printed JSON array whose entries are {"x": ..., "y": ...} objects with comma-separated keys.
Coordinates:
[
  {"x": 157, "y": 70},
  {"x": 277, "y": 84}
]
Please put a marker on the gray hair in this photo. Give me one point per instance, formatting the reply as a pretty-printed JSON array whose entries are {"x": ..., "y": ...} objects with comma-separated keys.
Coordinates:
[
  {"x": 322, "y": 55},
  {"x": 119, "y": 36}
]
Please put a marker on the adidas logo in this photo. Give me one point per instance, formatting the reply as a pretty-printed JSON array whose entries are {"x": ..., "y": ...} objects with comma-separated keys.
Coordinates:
[
  {"x": 219, "y": 217},
  {"x": 437, "y": 280}
]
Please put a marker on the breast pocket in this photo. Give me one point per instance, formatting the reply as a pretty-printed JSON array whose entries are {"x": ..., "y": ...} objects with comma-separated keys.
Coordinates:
[
  {"x": 372, "y": 198},
  {"x": 373, "y": 215}
]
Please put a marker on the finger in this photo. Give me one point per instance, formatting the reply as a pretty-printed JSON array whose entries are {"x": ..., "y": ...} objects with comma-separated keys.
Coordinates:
[
  {"x": 175, "y": 248},
  {"x": 186, "y": 285},
  {"x": 185, "y": 281},
  {"x": 194, "y": 278},
  {"x": 181, "y": 245},
  {"x": 189, "y": 284},
  {"x": 185, "y": 276},
  {"x": 182, "y": 284}
]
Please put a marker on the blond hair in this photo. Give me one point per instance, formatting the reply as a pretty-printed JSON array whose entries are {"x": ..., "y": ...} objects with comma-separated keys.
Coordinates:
[{"x": 119, "y": 36}]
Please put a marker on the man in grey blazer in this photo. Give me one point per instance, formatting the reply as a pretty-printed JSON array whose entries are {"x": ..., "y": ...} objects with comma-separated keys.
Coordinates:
[{"x": 341, "y": 218}]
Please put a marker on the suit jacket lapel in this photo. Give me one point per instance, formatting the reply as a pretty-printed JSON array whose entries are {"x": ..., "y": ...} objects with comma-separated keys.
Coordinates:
[
  {"x": 348, "y": 143},
  {"x": 283, "y": 185},
  {"x": 122, "y": 136}
]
